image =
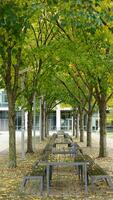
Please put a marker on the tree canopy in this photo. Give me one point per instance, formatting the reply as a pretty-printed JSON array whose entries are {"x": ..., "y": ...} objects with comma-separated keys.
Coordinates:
[{"x": 63, "y": 50}]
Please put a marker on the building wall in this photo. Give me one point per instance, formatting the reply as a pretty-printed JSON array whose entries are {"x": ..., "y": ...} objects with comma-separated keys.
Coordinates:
[{"x": 60, "y": 118}]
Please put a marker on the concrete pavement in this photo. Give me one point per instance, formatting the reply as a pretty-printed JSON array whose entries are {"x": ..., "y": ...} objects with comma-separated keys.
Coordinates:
[{"x": 4, "y": 141}]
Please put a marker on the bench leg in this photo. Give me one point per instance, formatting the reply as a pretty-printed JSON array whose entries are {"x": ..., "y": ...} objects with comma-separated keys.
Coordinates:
[
  {"x": 109, "y": 181},
  {"x": 50, "y": 175},
  {"x": 82, "y": 175},
  {"x": 41, "y": 185},
  {"x": 88, "y": 182},
  {"x": 23, "y": 183},
  {"x": 77, "y": 170},
  {"x": 41, "y": 178},
  {"x": 93, "y": 179},
  {"x": 80, "y": 172},
  {"x": 106, "y": 178}
]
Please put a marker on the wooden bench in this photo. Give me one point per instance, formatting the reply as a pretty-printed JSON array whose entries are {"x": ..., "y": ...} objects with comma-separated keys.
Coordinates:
[
  {"x": 38, "y": 171},
  {"x": 95, "y": 172},
  {"x": 66, "y": 140},
  {"x": 66, "y": 135},
  {"x": 77, "y": 148},
  {"x": 60, "y": 132}
]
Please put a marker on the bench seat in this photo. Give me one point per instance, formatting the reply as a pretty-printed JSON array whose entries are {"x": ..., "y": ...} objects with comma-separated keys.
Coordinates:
[
  {"x": 96, "y": 173},
  {"x": 38, "y": 173}
]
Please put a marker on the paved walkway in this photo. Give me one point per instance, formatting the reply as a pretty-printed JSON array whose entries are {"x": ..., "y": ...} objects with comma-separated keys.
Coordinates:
[
  {"x": 4, "y": 141},
  {"x": 96, "y": 139}
]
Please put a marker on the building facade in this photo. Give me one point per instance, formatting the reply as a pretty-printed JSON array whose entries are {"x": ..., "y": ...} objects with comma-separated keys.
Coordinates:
[{"x": 60, "y": 118}]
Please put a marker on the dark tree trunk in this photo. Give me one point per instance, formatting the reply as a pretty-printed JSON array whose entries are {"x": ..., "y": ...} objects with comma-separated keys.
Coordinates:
[
  {"x": 74, "y": 116},
  {"x": 102, "y": 112},
  {"x": 46, "y": 125},
  {"x": 89, "y": 129},
  {"x": 77, "y": 124},
  {"x": 12, "y": 90},
  {"x": 81, "y": 125},
  {"x": 42, "y": 119},
  {"x": 29, "y": 128},
  {"x": 12, "y": 140},
  {"x": 89, "y": 117}
]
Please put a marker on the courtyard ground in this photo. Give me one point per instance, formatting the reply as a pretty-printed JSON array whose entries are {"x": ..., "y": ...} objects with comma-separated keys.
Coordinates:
[{"x": 65, "y": 186}]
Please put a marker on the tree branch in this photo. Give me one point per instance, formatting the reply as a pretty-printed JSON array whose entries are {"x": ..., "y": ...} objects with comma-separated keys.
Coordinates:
[
  {"x": 77, "y": 84},
  {"x": 36, "y": 39},
  {"x": 63, "y": 30},
  {"x": 70, "y": 93}
]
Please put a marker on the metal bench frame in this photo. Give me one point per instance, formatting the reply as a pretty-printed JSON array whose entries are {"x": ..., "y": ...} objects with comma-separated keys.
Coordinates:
[
  {"x": 27, "y": 178},
  {"x": 101, "y": 173},
  {"x": 95, "y": 178}
]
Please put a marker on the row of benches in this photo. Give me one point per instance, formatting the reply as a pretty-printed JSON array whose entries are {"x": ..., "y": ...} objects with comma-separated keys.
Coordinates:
[
  {"x": 38, "y": 171},
  {"x": 94, "y": 171}
]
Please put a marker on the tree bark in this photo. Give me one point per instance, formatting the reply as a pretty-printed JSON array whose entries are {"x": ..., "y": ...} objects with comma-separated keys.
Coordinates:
[
  {"x": 81, "y": 125},
  {"x": 46, "y": 125},
  {"x": 89, "y": 116},
  {"x": 77, "y": 124},
  {"x": 12, "y": 140},
  {"x": 42, "y": 119},
  {"x": 89, "y": 128},
  {"x": 12, "y": 90},
  {"x": 29, "y": 127},
  {"x": 74, "y": 116},
  {"x": 102, "y": 112}
]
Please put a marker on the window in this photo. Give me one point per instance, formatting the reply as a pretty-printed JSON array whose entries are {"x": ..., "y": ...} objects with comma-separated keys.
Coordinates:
[
  {"x": 18, "y": 121},
  {"x": 66, "y": 120},
  {"x": 52, "y": 120},
  {"x": 3, "y": 120},
  {"x": 3, "y": 99},
  {"x": 3, "y": 114}
]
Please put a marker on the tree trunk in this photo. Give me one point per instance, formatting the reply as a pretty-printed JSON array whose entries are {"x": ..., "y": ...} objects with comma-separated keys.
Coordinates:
[
  {"x": 41, "y": 119},
  {"x": 29, "y": 129},
  {"x": 12, "y": 140},
  {"x": 44, "y": 119},
  {"x": 11, "y": 89},
  {"x": 81, "y": 126},
  {"x": 102, "y": 112},
  {"x": 74, "y": 116},
  {"x": 46, "y": 125},
  {"x": 89, "y": 117},
  {"x": 89, "y": 128},
  {"x": 77, "y": 124}
]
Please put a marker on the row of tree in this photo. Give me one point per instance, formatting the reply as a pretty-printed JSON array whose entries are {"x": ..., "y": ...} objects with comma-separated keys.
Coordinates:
[{"x": 61, "y": 50}]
